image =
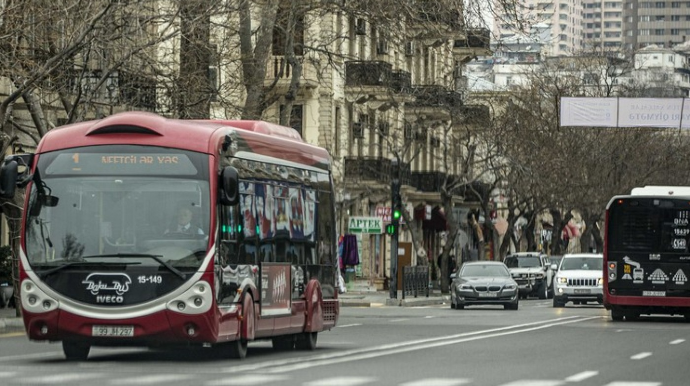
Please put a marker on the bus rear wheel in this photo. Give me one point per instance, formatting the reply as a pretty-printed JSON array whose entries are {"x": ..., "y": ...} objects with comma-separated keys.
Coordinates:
[
  {"x": 75, "y": 351},
  {"x": 306, "y": 341}
]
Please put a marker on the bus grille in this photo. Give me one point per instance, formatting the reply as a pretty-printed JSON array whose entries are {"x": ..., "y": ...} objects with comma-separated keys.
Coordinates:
[
  {"x": 329, "y": 311},
  {"x": 582, "y": 282}
]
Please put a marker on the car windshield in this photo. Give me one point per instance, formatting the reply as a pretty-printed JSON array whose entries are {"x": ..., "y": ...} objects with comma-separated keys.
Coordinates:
[
  {"x": 112, "y": 212},
  {"x": 522, "y": 261},
  {"x": 482, "y": 270},
  {"x": 582, "y": 263}
]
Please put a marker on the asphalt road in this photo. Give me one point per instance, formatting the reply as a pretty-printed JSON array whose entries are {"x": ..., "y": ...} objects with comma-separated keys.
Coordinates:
[{"x": 536, "y": 345}]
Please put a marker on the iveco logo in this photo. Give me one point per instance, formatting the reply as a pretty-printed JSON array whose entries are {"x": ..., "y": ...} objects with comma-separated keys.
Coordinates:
[{"x": 118, "y": 282}]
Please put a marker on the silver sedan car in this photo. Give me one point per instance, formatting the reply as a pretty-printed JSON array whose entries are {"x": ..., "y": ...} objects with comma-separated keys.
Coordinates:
[{"x": 483, "y": 282}]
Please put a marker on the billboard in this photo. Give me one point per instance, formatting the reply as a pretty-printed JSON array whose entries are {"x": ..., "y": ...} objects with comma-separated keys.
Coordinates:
[{"x": 625, "y": 112}]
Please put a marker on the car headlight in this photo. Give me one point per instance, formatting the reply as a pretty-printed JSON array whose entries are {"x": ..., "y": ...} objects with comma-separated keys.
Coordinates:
[
  {"x": 561, "y": 280},
  {"x": 539, "y": 276},
  {"x": 510, "y": 286},
  {"x": 464, "y": 287},
  {"x": 600, "y": 281}
]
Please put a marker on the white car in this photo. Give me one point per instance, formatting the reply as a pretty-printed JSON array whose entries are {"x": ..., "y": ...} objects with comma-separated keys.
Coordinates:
[
  {"x": 533, "y": 273},
  {"x": 579, "y": 279}
]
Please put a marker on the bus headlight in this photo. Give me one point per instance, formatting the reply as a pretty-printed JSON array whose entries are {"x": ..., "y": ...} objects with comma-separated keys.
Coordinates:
[
  {"x": 196, "y": 300},
  {"x": 35, "y": 300}
]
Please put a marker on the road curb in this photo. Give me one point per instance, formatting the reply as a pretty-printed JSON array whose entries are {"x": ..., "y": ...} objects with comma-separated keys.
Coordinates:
[{"x": 11, "y": 325}]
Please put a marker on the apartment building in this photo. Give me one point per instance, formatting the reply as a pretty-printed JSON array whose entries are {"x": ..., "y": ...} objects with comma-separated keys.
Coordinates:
[
  {"x": 602, "y": 24},
  {"x": 662, "y": 23}
]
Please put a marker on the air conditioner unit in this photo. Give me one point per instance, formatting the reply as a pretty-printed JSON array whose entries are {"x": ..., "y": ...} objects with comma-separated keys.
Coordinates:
[
  {"x": 409, "y": 48},
  {"x": 361, "y": 27},
  {"x": 357, "y": 130}
]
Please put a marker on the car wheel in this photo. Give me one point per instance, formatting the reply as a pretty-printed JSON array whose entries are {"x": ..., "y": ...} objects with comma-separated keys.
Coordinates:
[
  {"x": 616, "y": 315},
  {"x": 557, "y": 302},
  {"x": 511, "y": 306},
  {"x": 459, "y": 307},
  {"x": 452, "y": 304}
]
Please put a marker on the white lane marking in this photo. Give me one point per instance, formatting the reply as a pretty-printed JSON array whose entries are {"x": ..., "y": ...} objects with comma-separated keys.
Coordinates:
[
  {"x": 438, "y": 382},
  {"x": 150, "y": 379},
  {"x": 429, "y": 317},
  {"x": 579, "y": 377},
  {"x": 248, "y": 380},
  {"x": 534, "y": 382},
  {"x": 398, "y": 320},
  {"x": 341, "y": 381},
  {"x": 350, "y": 325},
  {"x": 392, "y": 346},
  {"x": 31, "y": 356},
  {"x": 641, "y": 355},
  {"x": 677, "y": 341},
  {"x": 634, "y": 384},
  {"x": 61, "y": 378},
  {"x": 399, "y": 349},
  {"x": 7, "y": 374}
]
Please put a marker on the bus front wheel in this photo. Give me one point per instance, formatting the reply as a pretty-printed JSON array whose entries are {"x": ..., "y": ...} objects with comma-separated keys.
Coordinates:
[
  {"x": 306, "y": 341},
  {"x": 238, "y": 349},
  {"x": 75, "y": 351},
  {"x": 616, "y": 314}
]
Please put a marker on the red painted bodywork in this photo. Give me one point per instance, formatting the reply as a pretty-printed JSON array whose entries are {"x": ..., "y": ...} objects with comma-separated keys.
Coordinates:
[{"x": 218, "y": 324}]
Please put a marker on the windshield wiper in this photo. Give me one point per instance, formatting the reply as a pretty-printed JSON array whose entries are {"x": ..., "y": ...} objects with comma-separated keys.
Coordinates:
[
  {"x": 157, "y": 258},
  {"x": 45, "y": 273}
]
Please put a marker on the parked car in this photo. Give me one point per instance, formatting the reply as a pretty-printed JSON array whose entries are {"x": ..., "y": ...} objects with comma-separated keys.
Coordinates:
[
  {"x": 533, "y": 272},
  {"x": 579, "y": 279},
  {"x": 483, "y": 282}
]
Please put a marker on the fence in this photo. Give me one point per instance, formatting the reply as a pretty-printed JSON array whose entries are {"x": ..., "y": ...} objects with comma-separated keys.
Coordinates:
[{"x": 415, "y": 281}]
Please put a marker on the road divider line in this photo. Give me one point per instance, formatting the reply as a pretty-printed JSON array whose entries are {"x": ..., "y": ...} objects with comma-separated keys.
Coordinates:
[
  {"x": 306, "y": 363},
  {"x": 677, "y": 341},
  {"x": 579, "y": 377},
  {"x": 641, "y": 355},
  {"x": 393, "y": 346},
  {"x": 350, "y": 325}
]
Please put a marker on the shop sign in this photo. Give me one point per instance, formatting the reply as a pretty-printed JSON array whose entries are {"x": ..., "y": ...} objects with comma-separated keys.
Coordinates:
[{"x": 365, "y": 225}]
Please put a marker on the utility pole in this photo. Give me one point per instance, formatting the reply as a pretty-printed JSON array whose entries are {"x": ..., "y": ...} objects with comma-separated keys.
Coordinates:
[{"x": 394, "y": 228}]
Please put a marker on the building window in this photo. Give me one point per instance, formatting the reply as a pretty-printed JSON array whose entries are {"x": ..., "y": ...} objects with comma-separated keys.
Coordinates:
[{"x": 296, "y": 118}]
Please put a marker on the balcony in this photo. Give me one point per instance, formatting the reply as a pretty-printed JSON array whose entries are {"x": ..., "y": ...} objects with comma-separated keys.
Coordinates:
[
  {"x": 429, "y": 182},
  {"x": 436, "y": 96},
  {"x": 374, "y": 169},
  {"x": 279, "y": 74},
  {"x": 368, "y": 73},
  {"x": 401, "y": 82},
  {"x": 367, "y": 169},
  {"x": 477, "y": 42}
]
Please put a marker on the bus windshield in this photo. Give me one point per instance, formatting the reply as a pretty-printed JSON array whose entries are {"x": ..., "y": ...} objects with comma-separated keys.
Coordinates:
[{"x": 127, "y": 204}]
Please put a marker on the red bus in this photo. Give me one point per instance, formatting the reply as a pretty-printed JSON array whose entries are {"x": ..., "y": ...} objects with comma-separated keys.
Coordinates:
[
  {"x": 103, "y": 261},
  {"x": 646, "y": 253}
]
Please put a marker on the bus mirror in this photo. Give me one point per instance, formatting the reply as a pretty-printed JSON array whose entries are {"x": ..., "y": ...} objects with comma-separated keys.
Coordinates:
[
  {"x": 229, "y": 192},
  {"x": 8, "y": 178}
]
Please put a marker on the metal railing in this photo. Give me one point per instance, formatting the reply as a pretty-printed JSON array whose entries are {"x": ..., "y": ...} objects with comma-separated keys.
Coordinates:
[{"x": 415, "y": 281}]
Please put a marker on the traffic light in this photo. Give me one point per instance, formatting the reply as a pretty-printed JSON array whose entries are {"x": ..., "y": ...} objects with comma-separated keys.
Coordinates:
[
  {"x": 391, "y": 229},
  {"x": 396, "y": 202}
]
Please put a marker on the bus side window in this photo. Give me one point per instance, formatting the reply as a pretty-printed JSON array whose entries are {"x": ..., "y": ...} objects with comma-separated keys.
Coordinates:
[{"x": 229, "y": 236}]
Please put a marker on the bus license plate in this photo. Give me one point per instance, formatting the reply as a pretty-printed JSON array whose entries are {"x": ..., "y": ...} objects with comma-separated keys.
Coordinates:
[
  {"x": 653, "y": 293},
  {"x": 112, "y": 331}
]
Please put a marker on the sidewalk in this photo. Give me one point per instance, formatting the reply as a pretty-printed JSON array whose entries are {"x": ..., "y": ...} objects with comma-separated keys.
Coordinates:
[
  {"x": 9, "y": 322},
  {"x": 382, "y": 298}
]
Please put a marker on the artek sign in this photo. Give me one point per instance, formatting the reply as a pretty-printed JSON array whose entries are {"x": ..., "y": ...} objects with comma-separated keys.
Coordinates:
[{"x": 365, "y": 225}]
